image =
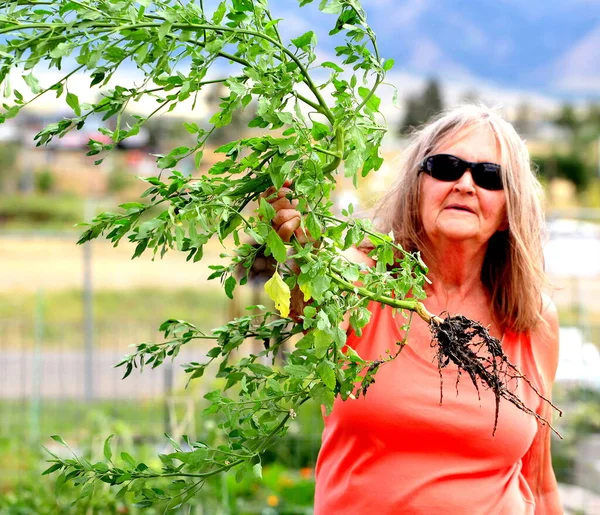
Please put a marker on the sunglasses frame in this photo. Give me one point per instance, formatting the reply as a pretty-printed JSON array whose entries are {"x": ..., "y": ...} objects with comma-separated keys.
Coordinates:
[{"x": 478, "y": 171}]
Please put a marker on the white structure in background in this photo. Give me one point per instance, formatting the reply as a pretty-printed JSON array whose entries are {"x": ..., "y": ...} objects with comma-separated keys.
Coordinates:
[
  {"x": 573, "y": 249},
  {"x": 578, "y": 360}
]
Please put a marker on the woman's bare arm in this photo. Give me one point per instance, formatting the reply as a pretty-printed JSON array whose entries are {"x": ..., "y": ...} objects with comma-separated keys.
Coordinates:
[{"x": 537, "y": 462}]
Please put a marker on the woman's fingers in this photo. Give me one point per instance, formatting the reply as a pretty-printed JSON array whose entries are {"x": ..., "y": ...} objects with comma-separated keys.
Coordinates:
[
  {"x": 284, "y": 203},
  {"x": 288, "y": 228},
  {"x": 269, "y": 193},
  {"x": 284, "y": 215},
  {"x": 287, "y": 218},
  {"x": 302, "y": 236}
]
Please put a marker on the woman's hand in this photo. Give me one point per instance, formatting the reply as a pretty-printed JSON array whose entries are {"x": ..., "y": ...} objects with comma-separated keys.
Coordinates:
[{"x": 287, "y": 219}]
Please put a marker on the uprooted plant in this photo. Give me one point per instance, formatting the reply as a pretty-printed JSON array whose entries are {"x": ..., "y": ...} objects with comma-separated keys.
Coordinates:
[{"x": 321, "y": 115}]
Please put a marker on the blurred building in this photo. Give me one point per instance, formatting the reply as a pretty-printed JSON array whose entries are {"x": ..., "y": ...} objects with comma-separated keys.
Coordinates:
[{"x": 578, "y": 361}]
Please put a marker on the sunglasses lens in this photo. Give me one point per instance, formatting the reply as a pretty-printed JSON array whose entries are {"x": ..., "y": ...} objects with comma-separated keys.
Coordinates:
[
  {"x": 487, "y": 176},
  {"x": 445, "y": 168}
]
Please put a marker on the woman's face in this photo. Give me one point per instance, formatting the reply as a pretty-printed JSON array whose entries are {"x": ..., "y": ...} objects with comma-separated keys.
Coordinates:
[{"x": 439, "y": 204}]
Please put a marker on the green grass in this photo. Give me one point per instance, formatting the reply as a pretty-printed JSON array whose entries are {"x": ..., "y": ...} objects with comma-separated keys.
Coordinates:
[
  {"x": 571, "y": 317},
  {"x": 138, "y": 427},
  {"x": 70, "y": 417},
  {"x": 59, "y": 211},
  {"x": 117, "y": 314},
  {"x": 41, "y": 211}
]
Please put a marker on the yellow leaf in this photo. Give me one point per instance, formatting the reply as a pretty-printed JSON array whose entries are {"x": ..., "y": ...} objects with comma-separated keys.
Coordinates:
[
  {"x": 305, "y": 288},
  {"x": 279, "y": 292}
]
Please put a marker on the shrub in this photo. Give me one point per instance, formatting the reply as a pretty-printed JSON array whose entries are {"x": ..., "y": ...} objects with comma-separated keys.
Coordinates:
[
  {"x": 119, "y": 180},
  {"x": 570, "y": 167},
  {"x": 45, "y": 181},
  {"x": 37, "y": 210}
]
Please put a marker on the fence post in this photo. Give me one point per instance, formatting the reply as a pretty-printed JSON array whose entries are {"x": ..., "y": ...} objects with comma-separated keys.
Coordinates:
[
  {"x": 167, "y": 395},
  {"x": 88, "y": 310},
  {"x": 36, "y": 368}
]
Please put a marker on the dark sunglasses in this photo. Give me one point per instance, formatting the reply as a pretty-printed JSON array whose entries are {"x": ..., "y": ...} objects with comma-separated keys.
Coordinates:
[{"x": 446, "y": 167}]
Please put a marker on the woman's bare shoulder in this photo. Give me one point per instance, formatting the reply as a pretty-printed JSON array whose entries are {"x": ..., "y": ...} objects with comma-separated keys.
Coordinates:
[{"x": 357, "y": 255}]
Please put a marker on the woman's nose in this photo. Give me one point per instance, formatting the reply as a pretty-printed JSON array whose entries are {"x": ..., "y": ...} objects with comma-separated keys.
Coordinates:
[{"x": 465, "y": 184}]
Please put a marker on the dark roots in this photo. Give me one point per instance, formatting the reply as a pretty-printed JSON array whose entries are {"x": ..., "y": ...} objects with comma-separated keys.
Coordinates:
[{"x": 473, "y": 350}]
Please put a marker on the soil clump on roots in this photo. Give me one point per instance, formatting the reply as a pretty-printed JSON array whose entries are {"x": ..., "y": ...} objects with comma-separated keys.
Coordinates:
[{"x": 477, "y": 353}]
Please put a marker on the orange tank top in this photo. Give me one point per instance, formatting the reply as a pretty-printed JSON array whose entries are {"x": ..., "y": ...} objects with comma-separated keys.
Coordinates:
[{"x": 399, "y": 451}]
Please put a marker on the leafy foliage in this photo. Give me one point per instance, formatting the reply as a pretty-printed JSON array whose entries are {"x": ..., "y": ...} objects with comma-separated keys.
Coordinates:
[{"x": 306, "y": 140}]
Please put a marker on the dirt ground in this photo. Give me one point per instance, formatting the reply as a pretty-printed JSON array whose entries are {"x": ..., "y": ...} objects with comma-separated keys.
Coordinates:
[{"x": 27, "y": 264}]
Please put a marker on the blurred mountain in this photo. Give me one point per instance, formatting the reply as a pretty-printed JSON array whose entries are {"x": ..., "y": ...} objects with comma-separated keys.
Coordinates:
[
  {"x": 549, "y": 45},
  {"x": 552, "y": 46},
  {"x": 578, "y": 69}
]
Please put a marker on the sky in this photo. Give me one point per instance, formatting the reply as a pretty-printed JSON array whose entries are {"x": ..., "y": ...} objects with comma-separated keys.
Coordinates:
[{"x": 506, "y": 51}]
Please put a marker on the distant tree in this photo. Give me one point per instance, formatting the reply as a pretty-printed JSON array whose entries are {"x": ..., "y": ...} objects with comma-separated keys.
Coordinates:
[
  {"x": 8, "y": 159},
  {"x": 413, "y": 115},
  {"x": 45, "y": 181},
  {"x": 432, "y": 99},
  {"x": 470, "y": 97},
  {"x": 119, "y": 180},
  {"x": 591, "y": 120},
  {"x": 593, "y": 111},
  {"x": 524, "y": 119},
  {"x": 568, "y": 119},
  {"x": 571, "y": 167},
  {"x": 583, "y": 128},
  {"x": 421, "y": 107}
]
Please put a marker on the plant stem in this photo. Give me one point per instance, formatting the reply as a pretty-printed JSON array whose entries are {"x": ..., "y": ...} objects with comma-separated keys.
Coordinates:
[
  {"x": 408, "y": 304},
  {"x": 339, "y": 148}
]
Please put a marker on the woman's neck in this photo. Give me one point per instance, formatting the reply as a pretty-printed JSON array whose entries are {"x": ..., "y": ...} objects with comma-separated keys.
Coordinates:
[{"x": 454, "y": 270}]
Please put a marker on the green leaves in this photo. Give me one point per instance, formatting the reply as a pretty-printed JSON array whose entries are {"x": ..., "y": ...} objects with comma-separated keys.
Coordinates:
[
  {"x": 58, "y": 439},
  {"x": 107, "y": 449},
  {"x": 73, "y": 103},
  {"x": 299, "y": 371},
  {"x": 323, "y": 395},
  {"x": 266, "y": 210},
  {"x": 61, "y": 50},
  {"x": 276, "y": 246},
  {"x": 173, "y": 157},
  {"x": 319, "y": 130},
  {"x": 327, "y": 374},
  {"x": 272, "y": 91},
  {"x": 32, "y": 82},
  {"x": 52, "y": 468},
  {"x": 322, "y": 342},
  {"x": 219, "y": 13},
  {"x": 306, "y": 40},
  {"x": 229, "y": 286}
]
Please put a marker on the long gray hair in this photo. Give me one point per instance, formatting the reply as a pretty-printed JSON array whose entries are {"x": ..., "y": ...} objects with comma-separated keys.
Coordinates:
[{"x": 513, "y": 266}]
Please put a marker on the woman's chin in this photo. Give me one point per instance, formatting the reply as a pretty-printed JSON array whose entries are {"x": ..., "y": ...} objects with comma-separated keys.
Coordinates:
[{"x": 458, "y": 232}]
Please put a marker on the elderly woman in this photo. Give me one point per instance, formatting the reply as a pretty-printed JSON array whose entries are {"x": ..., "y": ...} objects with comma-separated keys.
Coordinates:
[{"x": 467, "y": 199}]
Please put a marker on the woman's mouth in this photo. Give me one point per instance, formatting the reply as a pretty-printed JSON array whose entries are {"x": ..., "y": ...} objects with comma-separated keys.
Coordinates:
[{"x": 459, "y": 207}]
